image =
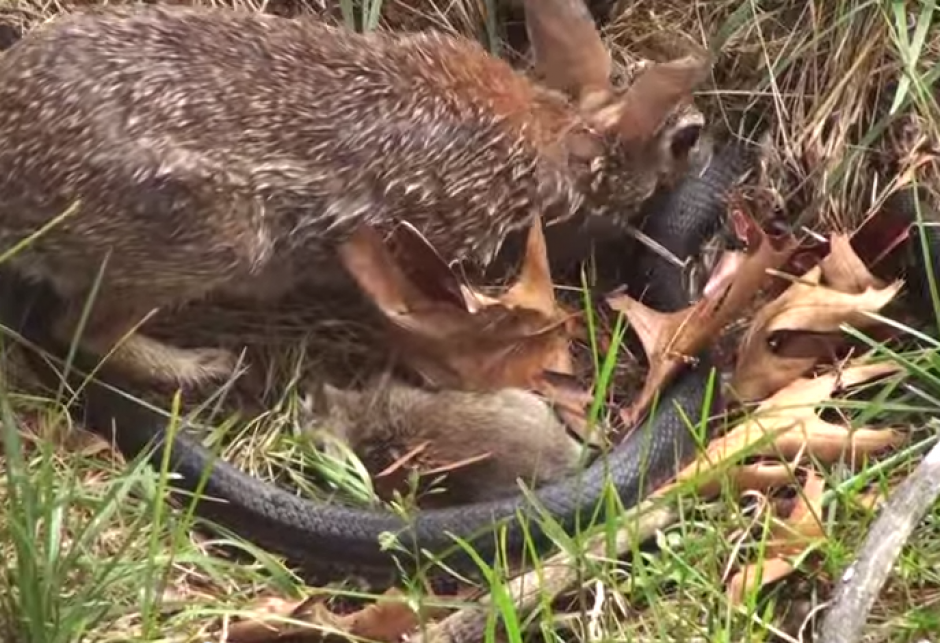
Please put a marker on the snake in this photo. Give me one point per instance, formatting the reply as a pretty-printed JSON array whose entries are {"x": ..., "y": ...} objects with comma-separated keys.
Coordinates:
[{"x": 324, "y": 540}]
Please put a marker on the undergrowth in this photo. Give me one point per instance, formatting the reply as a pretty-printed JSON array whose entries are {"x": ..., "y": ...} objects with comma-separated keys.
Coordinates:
[{"x": 93, "y": 552}]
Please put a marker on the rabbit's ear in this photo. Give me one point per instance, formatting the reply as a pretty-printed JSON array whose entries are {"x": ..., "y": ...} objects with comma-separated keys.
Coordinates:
[
  {"x": 568, "y": 50},
  {"x": 658, "y": 90}
]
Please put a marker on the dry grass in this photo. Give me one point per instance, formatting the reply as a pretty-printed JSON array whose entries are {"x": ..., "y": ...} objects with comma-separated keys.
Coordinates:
[{"x": 826, "y": 74}]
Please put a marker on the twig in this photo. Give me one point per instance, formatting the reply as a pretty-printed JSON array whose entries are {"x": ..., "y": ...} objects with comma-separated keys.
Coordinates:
[
  {"x": 468, "y": 625},
  {"x": 657, "y": 247},
  {"x": 862, "y": 581}
]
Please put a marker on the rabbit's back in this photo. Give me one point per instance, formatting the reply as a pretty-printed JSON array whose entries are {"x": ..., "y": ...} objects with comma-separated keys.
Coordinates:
[{"x": 244, "y": 136}]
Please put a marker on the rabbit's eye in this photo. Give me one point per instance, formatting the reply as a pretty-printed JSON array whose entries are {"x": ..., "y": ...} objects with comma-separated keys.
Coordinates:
[{"x": 684, "y": 140}]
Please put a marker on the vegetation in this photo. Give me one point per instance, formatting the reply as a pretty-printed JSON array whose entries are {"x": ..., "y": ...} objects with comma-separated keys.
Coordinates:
[{"x": 93, "y": 552}]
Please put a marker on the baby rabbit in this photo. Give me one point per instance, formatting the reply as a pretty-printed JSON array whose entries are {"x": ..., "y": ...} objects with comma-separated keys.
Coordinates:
[
  {"x": 519, "y": 434},
  {"x": 196, "y": 152}
]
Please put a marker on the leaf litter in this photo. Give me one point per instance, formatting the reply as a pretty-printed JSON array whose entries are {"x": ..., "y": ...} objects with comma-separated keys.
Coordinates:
[
  {"x": 455, "y": 336},
  {"x": 309, "y": 621},
  {"x": 839, "y": 291},
  {"x": 477, "y": 343},
  {"x": 671, "y": 339}
]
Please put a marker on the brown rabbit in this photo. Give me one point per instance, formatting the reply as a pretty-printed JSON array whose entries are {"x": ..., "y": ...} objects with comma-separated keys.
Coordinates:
[
  {"x": 517, "y": 431},
  {"x": 218, "y": 152}
]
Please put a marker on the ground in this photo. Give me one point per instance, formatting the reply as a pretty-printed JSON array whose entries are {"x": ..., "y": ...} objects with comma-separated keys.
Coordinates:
[{"x": 94, "y": 554}]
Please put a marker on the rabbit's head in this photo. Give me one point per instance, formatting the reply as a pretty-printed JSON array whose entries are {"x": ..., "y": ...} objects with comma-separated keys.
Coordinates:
[{"x": 632, "y": 140}]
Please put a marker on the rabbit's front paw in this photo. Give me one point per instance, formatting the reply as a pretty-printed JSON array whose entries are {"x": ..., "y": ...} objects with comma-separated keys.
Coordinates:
[
  {"x": 181, "y": 367},
  {"x": 198, "y": 367},
  {"x": 212, "y": 364}
]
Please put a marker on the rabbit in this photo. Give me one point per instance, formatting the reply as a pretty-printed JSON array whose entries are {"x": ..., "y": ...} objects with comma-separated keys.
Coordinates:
[
  {"x": 515, "y": 433},
  {"x": 171, "y": 154}
]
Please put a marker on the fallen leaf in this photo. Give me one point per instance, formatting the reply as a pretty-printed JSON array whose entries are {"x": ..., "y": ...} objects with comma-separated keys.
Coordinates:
[
  {"x": 807, "y": 306},
  {"x": 786, "y": 425},
  {"x": 671, "y": 340},
  {"x": 763, "y": 574},
  {"x": 750, "y": 477},
  {"x": 534, "y": 289},
  {"x": 789, "y": 538},
  {"x": 424, "y": 267},
  {"x": 875, "y": 240},
  {"x": 260, "y": 627},
  {"x": 843, "y": 269},
  {"x": 377, "y": 272},
  {"x": 881, "y": 233},
  {"x": 386, "y": 620},
  {"x": 806, "y": 518},
  {"x": 468, "y": 341},
  {"x": 498, "y": 346}
]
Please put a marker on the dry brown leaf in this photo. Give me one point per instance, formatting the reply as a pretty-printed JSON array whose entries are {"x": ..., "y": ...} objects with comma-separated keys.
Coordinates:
[
  {"x": 843, "y": 270},
  {"x": 386, "y": 620},
  {"x": 807, "y": 307},
  {"x": 478, "y": 342},
  {"x": 424, "y": 267},
  {"x": 534, "y": 289},
  {"x": 670, "y": 339},
  {"x": 805, "y": 521},
  {"x": 750, "y": 477},
  {"x": 805, "y": 320},
  {"x": 766, "y": 573},
  {"x": 879, "y": 236},
  {"x": 450, "y": 346},
  {"x": 374, "y": 267},
  {"x": 789, "y": 537},
  {"x": 875, "y": 240},
  {"x": 260, "y": 628},
  {"x": 786, "y": 425}
]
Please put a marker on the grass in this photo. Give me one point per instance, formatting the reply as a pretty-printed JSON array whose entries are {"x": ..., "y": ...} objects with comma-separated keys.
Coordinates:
[{"x": 95, "y": 554}]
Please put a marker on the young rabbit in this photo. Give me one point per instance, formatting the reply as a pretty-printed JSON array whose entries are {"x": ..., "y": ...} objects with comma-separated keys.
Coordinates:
[
  {"x": 197, "y": 152},
  {"x": 517, "y": 431}
]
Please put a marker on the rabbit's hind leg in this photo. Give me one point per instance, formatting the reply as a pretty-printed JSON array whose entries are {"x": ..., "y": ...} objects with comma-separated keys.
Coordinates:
[{"x": 109, "y": 333}]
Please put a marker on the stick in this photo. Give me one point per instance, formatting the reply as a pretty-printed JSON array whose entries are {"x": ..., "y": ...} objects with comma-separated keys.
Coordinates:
[
  {"x": 468, "y": 625},
  {"x": 862, "y": 581}
]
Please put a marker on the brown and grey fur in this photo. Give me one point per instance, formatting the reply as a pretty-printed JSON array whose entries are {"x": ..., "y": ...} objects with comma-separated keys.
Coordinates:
[
  {"x": 516, "y": 434},
  {"x": 219, "y": 152}
]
